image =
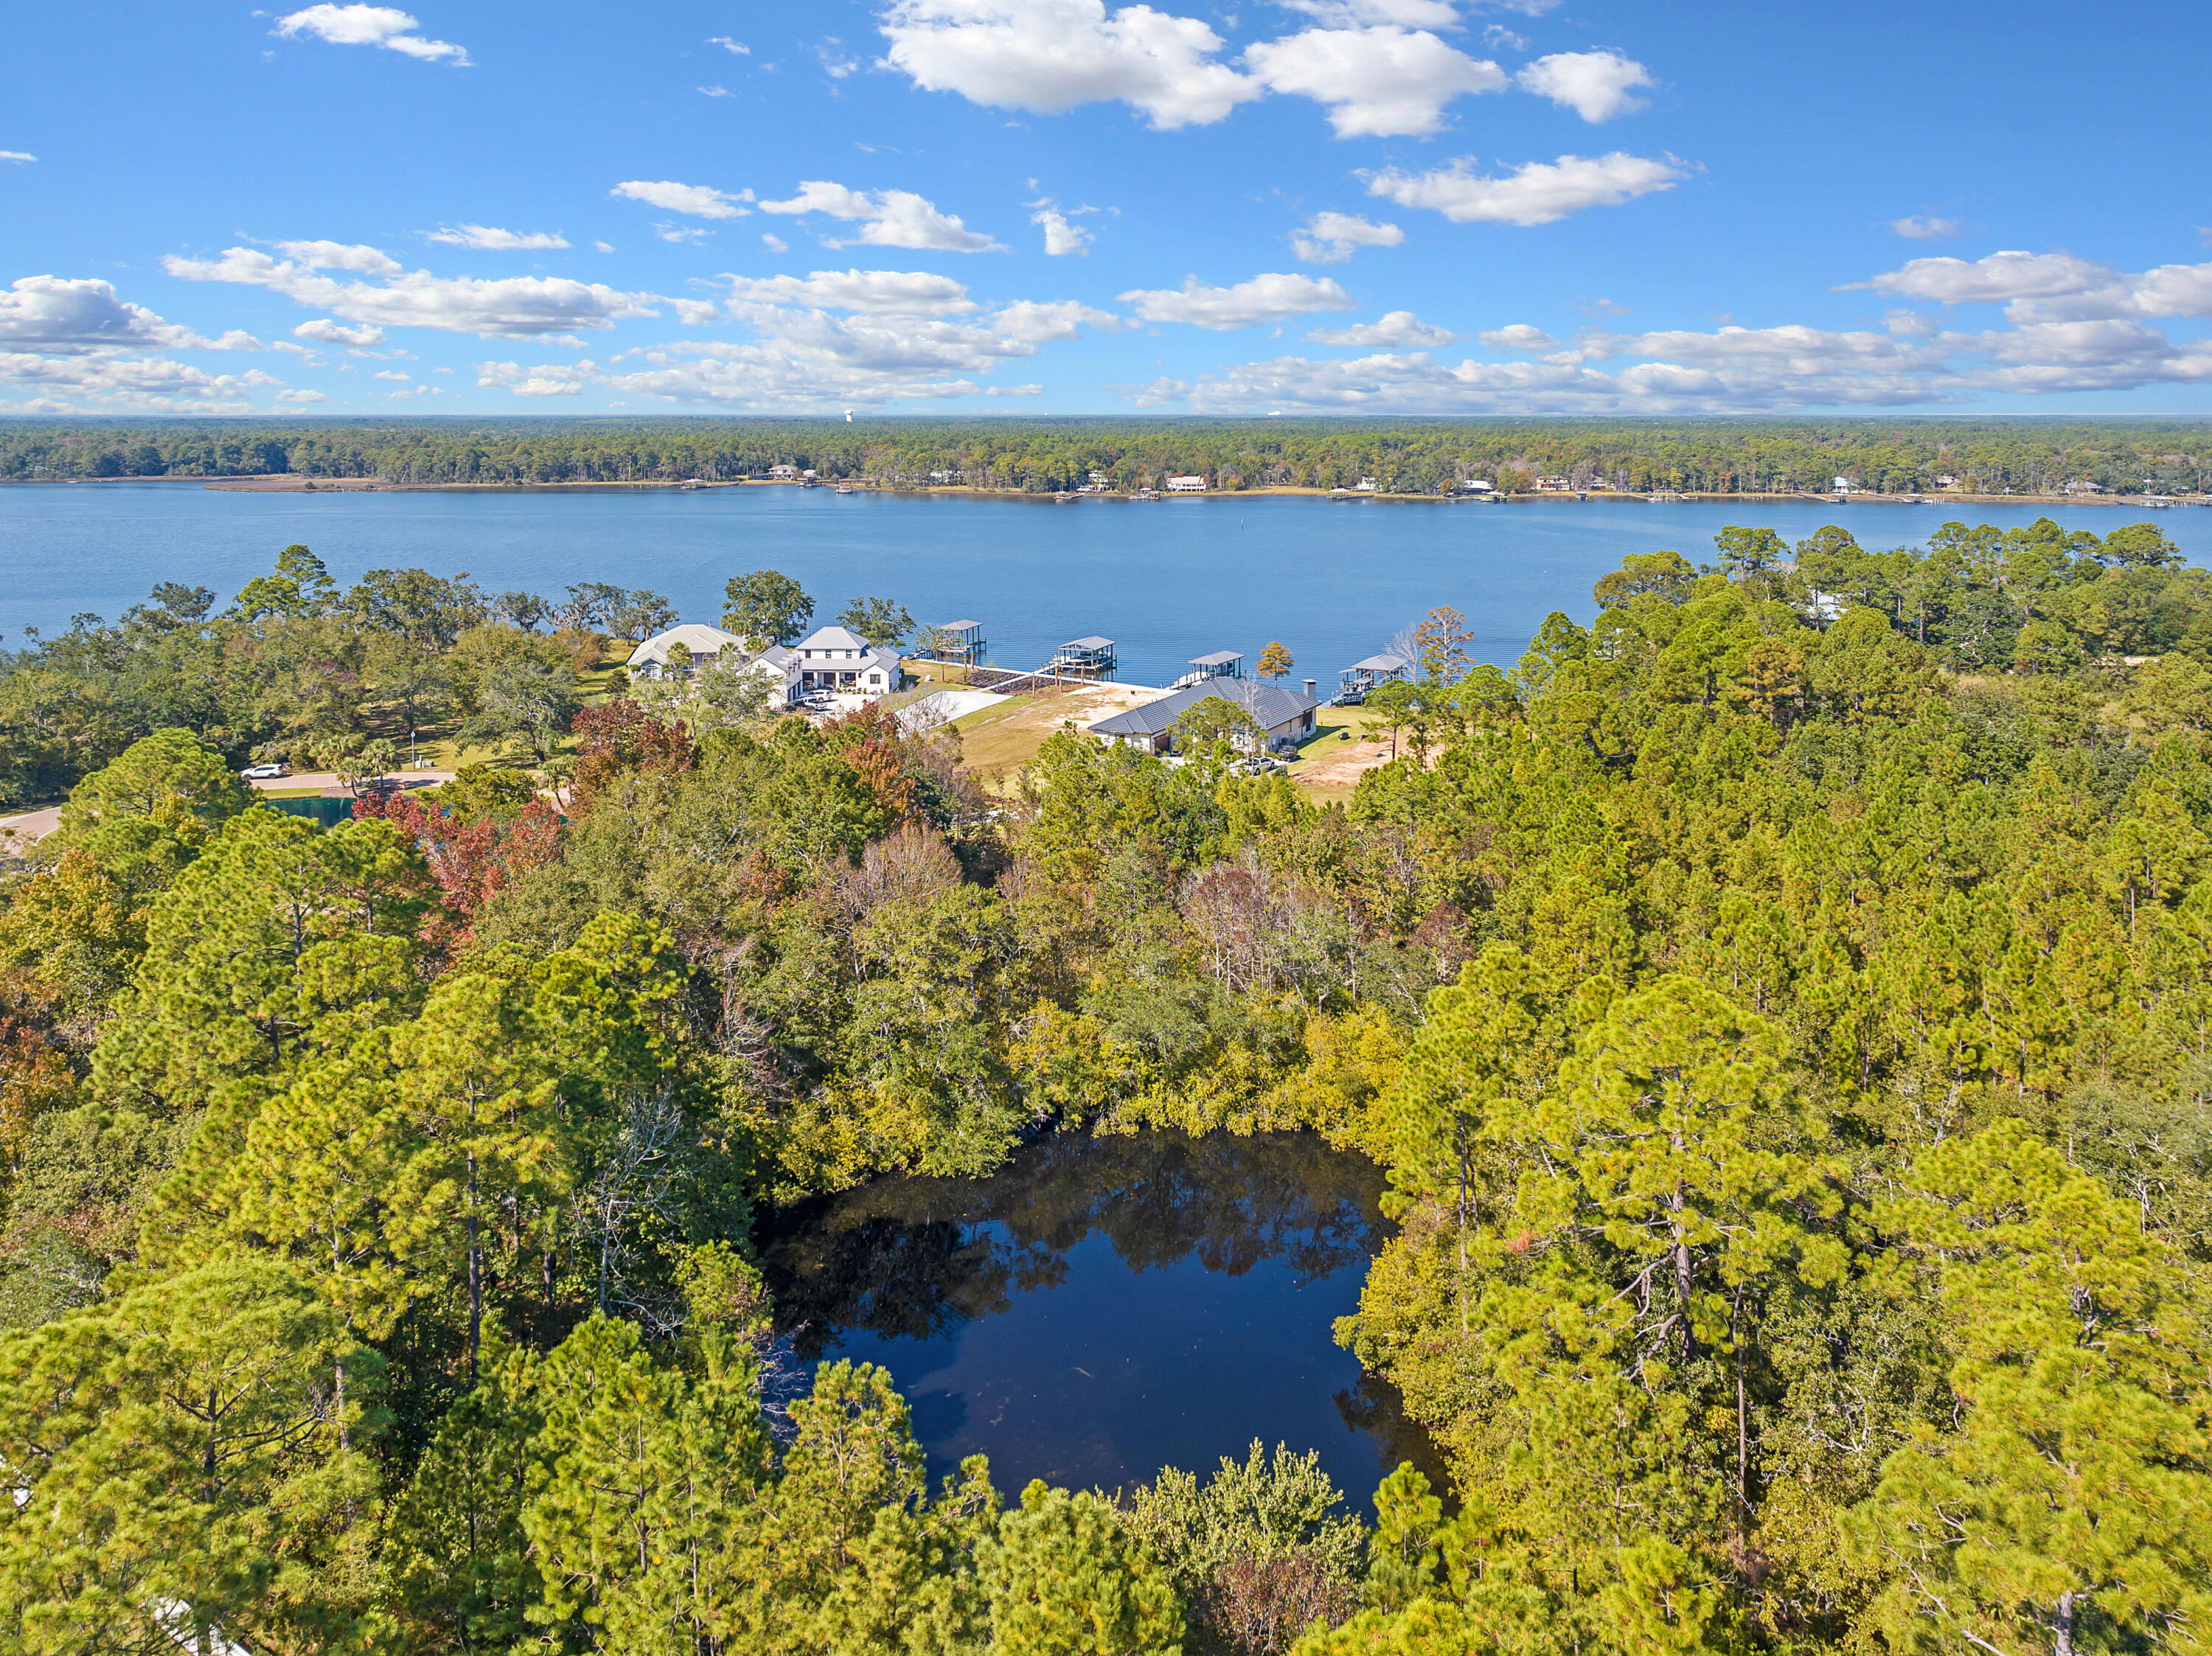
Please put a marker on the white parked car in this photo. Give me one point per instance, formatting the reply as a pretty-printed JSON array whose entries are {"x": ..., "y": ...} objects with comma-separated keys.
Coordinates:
[{"x": 264, "y": 772}]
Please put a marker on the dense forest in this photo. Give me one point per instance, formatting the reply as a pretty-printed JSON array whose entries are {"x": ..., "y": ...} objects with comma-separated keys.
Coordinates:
[
  {"x": 1403, "y": 456},
  {"x": 1783, "y": 1009}
]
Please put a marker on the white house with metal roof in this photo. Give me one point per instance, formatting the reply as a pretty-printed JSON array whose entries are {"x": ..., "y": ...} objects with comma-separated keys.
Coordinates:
[
  {"x": 1285, "y": 716},
  {"x": 838, "y": 661}
]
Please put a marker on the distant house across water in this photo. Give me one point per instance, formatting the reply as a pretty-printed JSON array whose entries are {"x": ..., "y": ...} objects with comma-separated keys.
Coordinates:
[{"x": 1186, "y": 485}]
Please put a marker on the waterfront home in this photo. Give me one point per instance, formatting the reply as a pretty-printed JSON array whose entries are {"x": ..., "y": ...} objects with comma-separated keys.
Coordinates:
[
  {"x": 783, "y": 471},
  {"x": 1479, "y": 486},
  {"x": 1284, "y": 717},
  {"x": 650, "y": 658},
  {"x": 842, "y": 662},
  {"x": 1361, "y": 676},
  {"x": 1555, "y": 485},
  {"x": 1186, "y": 485}
]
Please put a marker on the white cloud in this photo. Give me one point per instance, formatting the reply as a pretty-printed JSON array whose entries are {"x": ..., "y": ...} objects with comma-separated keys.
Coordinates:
[
  {"x": 1408, "y": 14},
  {"x": 133, "y": 384},
  {"x": 1397, "y": 328},
  {"x": 520, "y": 305},
  {"x": 1014, "y": 391},
  {"x": 1035, "y": 321},
  {"x": 604, "y": 246},
  {"x": 391, "y": 373},
  {"x": 2050, "y": 287},
  {"x": 1061, "y": 236},
  {"x": 1535, "y": 192},
  {"x": 1596, "y": 85},
  {"x": 74, "y": 314},
  {"x": 370, "y": 26},
  {"x": 737, "y": 47},
  {"x": 1518, "y": 336},
  {"x": 301, "y": 395},
  {"x": 1267, "y": 297},
  {"x": 341, "y": 255},
  {"x": 694, "y": 200},
  {"x": 16, "y": 155},
  {"x": 877, "y": 292},
  {"x": 695, "y": 313},
  {"x": 775, "y": 243},
  {"x": 713, "y": 91},
  {"x": 1730, "y": 369},
  {"x": 1376, "y": 83},
  {"x": 1331, "y": 238},
  {"x": 487, "y": 239},
  {"x": 888, "y": 218},
  {"x": 684, "y": 235},
  {"x": 1922, "y": 228},
  {"x": 324, "y": 331},
  {"x": 546, "y": 379},
  {"x": 1049, "y": 56}
]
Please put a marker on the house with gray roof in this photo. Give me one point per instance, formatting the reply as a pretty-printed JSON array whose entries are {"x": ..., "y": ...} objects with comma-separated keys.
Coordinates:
[{"x": 1286, "y": 717}]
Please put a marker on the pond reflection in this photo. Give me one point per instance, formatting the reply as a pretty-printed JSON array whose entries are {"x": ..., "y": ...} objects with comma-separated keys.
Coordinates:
[{"x": 1104, "y": 1307}]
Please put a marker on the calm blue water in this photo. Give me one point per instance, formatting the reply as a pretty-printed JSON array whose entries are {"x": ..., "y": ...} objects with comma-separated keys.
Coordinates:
[
  {"x": 1168, "y": 580},
  {"x": 1106, "y": 1306}
]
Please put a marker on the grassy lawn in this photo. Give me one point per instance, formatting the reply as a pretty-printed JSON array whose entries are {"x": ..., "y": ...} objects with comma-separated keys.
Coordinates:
[{"x": 1347, "y": 743}]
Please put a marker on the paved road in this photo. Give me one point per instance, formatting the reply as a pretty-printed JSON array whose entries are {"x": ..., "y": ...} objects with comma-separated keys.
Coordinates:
[{"x": 31, "y": 826}]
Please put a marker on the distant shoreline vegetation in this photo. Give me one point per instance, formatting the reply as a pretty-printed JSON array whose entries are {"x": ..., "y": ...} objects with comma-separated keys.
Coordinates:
[{"x": 1984, "y": 457}]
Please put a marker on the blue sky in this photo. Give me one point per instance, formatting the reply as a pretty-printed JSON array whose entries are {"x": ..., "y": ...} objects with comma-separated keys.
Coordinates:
[{"x": 1071, "y": 207}]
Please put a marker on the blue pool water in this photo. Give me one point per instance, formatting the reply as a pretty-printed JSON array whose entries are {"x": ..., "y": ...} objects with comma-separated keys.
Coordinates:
[{"x": 1168, "y": 581}]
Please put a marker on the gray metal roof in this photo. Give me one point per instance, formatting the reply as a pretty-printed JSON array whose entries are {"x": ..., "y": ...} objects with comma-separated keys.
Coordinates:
[
  {"x": 1094, "y": 642},
  {"x": 1385, "y": 664},
  {"x": 957, "y": 626},
  {"x": 1267, "y": 704},
  {"x": 1219, "y": 658}
]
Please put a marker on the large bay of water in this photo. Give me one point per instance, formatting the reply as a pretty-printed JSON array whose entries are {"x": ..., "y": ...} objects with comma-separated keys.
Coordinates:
[
  {"x": 1168, "y": 580},
  {"x": 1106, "y": 1306}
]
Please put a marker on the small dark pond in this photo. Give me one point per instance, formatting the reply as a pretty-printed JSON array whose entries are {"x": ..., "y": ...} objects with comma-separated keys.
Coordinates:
[{"x": 1106, "y": 1306}]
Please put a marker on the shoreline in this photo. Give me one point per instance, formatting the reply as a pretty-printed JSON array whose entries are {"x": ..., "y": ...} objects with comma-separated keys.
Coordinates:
[{"x": 291, "y": 484}]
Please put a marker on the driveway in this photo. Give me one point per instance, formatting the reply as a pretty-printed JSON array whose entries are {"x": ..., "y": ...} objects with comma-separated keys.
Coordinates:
[{"x": 33, "y": 826}]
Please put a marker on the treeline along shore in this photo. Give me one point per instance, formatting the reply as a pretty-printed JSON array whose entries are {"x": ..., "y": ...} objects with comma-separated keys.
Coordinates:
[{"x": 1985, "y": 458}]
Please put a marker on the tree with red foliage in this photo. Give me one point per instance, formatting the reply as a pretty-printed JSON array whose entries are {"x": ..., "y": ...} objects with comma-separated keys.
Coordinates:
[
  {"x": 618, "y": 735},
  {"x": 472, "y": 861},
  {"x": 871, "y": 741}
]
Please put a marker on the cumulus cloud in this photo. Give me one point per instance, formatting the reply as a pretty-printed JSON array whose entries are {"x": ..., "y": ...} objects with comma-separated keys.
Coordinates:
[
  {"x": 1407, "y": 14},
  {"x": 693, "y": 200},
  {"x": 877, "y": 292},
  {"x": 150, "y": 384},
  {"x": 546, "y": 379},
  {"x": 1049, "y": 56},
  {"x": 517, "y": 306},
  {"x": 1596, "y": 85},
  {"x": 1535, "y": 192},
  {"x": 737, "y": 48},
  {"x": 1036, "y": 322},
  {"x": 16, "y": 155},
  {"x": 2058, "y": 286},
  {"x": 1376, "y": 83},
  {"x": 1333, "y": 238},
  {"x": 1922, "y": 228},
  {"x": 300, "y": 394},
  {"x": 486, "y": 239},
  {"x": 887, "y": 218},
  {"x": 1061, "y": 237},
  {"x": 695, "y": 313},
  {"x": 1518, "y": 336},
  {"x": 324, "y": 331},
  {"x": 341, "y": 255},
  {"x": 1267, "y": 298},
  {"x": 370, "y": 26},
  {"x": 390, "y": 374},
  {"x": 1396, "y": 328},
  {"x": 70, "y": 315},
  {"x": 1728, "y": 369}
]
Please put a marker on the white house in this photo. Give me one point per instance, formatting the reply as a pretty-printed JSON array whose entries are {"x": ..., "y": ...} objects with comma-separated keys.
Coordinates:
[
  {"x": 1845, "y": 486},
  {"x": 1475, "y": 486},
  {"x": 783, "y": 471},
  {"x": 830, "y": 662},
  {"x": 842, "y": 662},
  {"x": 1186, "y": 485}
]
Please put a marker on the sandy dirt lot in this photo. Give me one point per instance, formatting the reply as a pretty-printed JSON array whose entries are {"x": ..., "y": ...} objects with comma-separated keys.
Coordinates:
[{"x": 1006, "y": 737}]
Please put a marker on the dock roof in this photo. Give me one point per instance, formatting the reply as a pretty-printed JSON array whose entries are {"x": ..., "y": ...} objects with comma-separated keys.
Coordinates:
[
  {"x": 1219, "y": 658},
  {"x": 1094, "y": 642},
  {"x": 1381, "y": 664},
  {"x": 958, "y": 626}
]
